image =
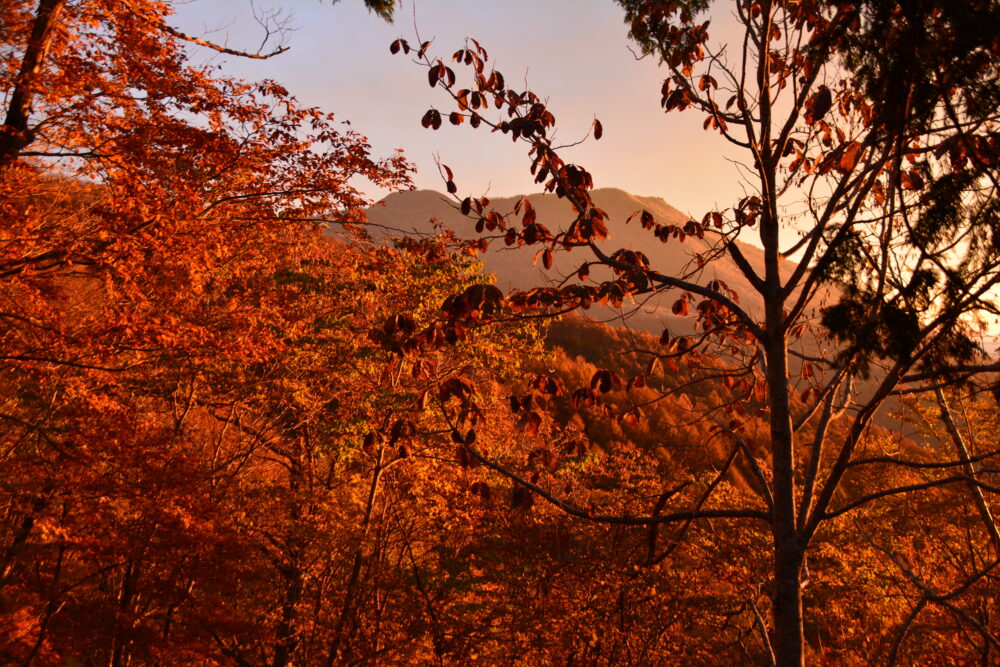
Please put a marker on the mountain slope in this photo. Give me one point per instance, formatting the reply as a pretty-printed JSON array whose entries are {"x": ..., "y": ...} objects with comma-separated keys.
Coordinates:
[{"x": 424, "y": 211}]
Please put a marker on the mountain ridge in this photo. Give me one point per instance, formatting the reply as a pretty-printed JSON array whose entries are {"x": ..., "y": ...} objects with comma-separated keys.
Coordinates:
[{"x": 424, "y": 212}]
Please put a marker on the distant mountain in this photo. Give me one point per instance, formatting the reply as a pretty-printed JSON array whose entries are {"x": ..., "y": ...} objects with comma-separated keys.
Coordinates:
[{"x": 421, "y": 212}]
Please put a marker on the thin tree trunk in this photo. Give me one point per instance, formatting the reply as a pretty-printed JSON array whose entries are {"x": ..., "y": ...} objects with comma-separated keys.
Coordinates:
[
  {"x": 788, "y": 552},
  {"x": 336, "y": 646},
  {"x": 15, "y": 133},
  {"x": 788, "y": 639},
  {"x": 118, "y": 657},
  {"x": 788, "y": 549},
  {"x": 286, "y": 631},
  {"x": 963, "y": 454}
]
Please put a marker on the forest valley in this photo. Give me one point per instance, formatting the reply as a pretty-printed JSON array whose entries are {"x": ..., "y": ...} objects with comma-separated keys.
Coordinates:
[{"x": 239, "y": 426}]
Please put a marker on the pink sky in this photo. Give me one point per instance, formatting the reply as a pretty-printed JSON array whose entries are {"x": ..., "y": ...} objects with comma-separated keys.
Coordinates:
[{"x": 572, "y": 52}]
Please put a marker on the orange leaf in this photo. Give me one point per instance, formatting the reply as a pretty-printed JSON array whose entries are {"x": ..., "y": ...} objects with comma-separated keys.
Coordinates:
[{"x": 849, "y": 159}]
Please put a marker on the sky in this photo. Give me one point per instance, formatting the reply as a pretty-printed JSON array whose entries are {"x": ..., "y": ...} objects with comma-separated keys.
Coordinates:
[{"x": 574, "y": 53}]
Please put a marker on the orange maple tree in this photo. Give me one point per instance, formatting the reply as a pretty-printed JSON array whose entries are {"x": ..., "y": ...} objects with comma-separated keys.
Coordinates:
[
  {"x": 212, "y": 451},
  {"x": 162, "y": 225}
]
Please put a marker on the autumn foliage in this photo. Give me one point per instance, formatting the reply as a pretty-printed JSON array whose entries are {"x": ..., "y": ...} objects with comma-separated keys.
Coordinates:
[{"x": 237, "y": 430}]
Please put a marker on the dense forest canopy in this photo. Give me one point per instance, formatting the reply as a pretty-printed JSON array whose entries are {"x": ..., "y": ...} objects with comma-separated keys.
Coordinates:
[{"x": 243, "y": 423}]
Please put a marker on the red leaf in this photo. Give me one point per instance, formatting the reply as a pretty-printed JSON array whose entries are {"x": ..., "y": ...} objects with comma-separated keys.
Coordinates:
[
  {"x": 481, "y": 489},
  {"x": 530, "y": 424},
  {"x": 911, "y": 180},
  {"x": 850, "y": 157},
  {"x": 521, "y": 497},
  {"x": 605, "y": 381},
  {"x": 819, "y": 105}
]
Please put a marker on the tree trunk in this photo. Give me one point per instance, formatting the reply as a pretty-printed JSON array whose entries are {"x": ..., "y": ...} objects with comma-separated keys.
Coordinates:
[
  {"x": 963, "y": 454},
  {"x": 287, "y": 635},
  {"x": 350, "y": 594},
  {"x": 15, "y": 133},
  {"x": 788, "y": 551},
  {"x": 292, "y": 571},
  {"x": 788, "y": 640}
]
